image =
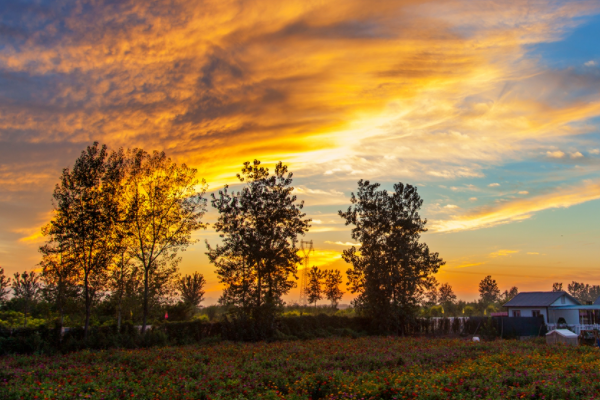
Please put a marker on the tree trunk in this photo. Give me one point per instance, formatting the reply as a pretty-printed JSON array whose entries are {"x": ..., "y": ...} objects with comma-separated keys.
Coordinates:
[
  {"x": 258, "y": 288},
  {"x": 87, "y": 306},
  {"x": 119, "y": 318},
  {"x": 145, "y": 319}
]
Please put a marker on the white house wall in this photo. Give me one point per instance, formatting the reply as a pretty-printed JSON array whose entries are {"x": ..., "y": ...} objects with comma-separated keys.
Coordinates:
[
  {"x": 568, "y": 302},
  {"x": 571, "y": 316}
]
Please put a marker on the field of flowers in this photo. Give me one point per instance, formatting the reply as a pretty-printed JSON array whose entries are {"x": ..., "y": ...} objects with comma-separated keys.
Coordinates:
[{"x": 335, "y": 368}]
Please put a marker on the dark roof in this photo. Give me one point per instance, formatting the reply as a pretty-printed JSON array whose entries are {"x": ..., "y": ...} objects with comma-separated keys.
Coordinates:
[
  {"x": 597, "y": 302},
  {"x": 537, "y": 299}
]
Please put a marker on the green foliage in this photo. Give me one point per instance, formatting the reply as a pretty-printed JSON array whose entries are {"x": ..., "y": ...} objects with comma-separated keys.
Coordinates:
[
  {"x": 469, "y": 311},
  {"x": 15, "y": 319}
]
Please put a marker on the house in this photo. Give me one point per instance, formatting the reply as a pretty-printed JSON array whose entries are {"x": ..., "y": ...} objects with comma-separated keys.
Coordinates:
[{"x": 557, "y": 308}]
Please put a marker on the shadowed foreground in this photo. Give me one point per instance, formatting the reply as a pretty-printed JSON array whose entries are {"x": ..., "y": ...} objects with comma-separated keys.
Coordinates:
[{"x": 335, "y": 368}]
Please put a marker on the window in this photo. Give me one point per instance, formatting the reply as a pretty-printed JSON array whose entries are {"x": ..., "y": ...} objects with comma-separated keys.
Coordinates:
[
  {"x": 562, "y": 299},
  {"x": 516, "y": 313},
  {"x": 536, "y": 313}
]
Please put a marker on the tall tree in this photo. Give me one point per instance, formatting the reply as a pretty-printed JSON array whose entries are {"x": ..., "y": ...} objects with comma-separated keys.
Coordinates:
[
  {"x": 4, "y": 285},
  {"x": 333, "y": 293},
  {"x": 165, "y": 208},
  {"x": 446, "y": 294},
  {"x": 557, "y": 287},
  {"x": 86, "y": 215},
  {"x": 259, "y": 226},
  {"x": 191, "y": 288},
  {"x": 314, "y": 290},
  {"x": 59, "y": 276},
  {"x": 393, "y": 269},
  {"x": 488, "y": 290},
  {"x": 27, "y": 287}
]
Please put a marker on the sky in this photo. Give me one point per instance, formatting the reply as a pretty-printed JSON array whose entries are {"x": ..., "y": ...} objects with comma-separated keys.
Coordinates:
[{"x": 490, "y": 108}]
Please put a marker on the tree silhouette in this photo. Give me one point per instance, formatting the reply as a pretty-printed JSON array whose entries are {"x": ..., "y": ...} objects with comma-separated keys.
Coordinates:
[
  {"x": 446, "y": 294},
  {"x": 164, "y": 209},
  {"x": 85, "y": 217},
  {"x": 26, "y": 286},
  {"x": 59, "y": 276},
  {"x": 488, "y": 290},
  {"x": 258, "y": 226},
  {"x": 584, "y": 292},
  {"x": 4, "y": 285},
  {"x": 557, "y": 287},
  {"x": 508, "y": 295},
  {"x": 392, "y": 269},
  {"x": 333, "y": 293},
  {"x": 314, "y": 291},
  {"x": 191, "y": 288}
]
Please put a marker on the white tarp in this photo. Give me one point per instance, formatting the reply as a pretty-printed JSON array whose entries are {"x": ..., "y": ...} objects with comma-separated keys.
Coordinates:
[
  {"x": 564, "y": 336},
  {"x": 563, "y": 333}
]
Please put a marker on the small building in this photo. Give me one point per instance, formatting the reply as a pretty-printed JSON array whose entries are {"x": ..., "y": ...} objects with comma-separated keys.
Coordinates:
[
  {"x": 564, "y": 336},
  {"x": 559, "y": 309}
]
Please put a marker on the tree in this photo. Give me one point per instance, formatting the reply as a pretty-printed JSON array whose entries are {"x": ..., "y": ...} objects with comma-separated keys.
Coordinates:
[
  {"x": 314, "y": 292},
  {"x": 259, "y": 227},
  {"x": 191, "y": 288},
  {"x": 469, "y": 311},
  {"x": 557, "y": 287},
  {"x": 432, "y": 295},
  {"x": 584, "y": 293},
  {"x": 488, "y": 290},
  {"x": 86, "y": 215},
  {"x": 446, "y": 295},
  {"x": 121, "y": 278},
  {"x": 164, "y": 209},
  {"x": 392, "y": 270},
  {"x": 59, "y": 276},
  {"x": 26, "y": 286},
  {"x": 508, "y": 295},
  {"x": 333, "y": 293},
  {"x": 4, "y": 285}
]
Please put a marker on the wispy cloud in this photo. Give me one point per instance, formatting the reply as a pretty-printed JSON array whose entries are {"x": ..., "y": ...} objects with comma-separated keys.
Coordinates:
[
  {"x": 503, "y": 253},
  {"x": 520, "y": 209},
  {"x": 343, "y": 243}
]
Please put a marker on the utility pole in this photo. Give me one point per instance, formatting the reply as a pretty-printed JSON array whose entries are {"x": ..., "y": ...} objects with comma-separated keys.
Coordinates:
[{"x": 307, "y": 248}]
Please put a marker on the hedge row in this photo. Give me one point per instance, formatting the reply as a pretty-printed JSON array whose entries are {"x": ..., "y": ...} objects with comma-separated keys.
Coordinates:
[{"x": 49, "y": 340}]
